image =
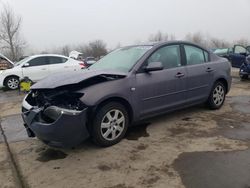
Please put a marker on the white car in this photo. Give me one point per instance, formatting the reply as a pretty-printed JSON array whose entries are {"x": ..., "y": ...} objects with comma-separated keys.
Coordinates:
[
  {"x": 36, "y": 68},
  {"x": 89, "y": 61}
]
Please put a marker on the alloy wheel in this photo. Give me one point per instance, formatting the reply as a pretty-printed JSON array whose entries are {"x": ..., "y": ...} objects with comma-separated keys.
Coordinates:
[
  {"x": 218, "y": 95},
  {"x": 112, "y": 125},
  {"x": 13, "y": 83}
]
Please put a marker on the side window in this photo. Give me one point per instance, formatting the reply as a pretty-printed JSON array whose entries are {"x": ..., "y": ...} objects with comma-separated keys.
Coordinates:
[
  {"x": 57, "y": 60},
  {"x": 194, "y": 55},
  {"x": 239, "y": 49},
  {"x": 38, "y": 61},
  {"x": 169, "y": 56}
]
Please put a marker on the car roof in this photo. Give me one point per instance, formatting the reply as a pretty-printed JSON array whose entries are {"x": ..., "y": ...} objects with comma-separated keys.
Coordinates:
[
  {"x": 168, "y": 42},
  {"x": 45, "y": 55}
]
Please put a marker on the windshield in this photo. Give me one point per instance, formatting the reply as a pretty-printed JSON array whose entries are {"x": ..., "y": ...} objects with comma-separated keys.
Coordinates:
[
  {"x": 20, "y": 62},
  {"x": 122, "y": 59},
  {"x": 221, "y": 51}
]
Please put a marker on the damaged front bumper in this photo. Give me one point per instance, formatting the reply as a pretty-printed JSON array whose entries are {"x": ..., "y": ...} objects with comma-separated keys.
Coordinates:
[{"x": 63, "y": 128}]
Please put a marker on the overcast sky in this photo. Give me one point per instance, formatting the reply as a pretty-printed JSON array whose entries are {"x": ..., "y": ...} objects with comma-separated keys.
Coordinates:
[{"x": 52, "y": 23}]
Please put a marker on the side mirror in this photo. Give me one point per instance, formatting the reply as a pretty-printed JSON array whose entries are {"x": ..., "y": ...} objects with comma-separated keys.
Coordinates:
[
  {"x": 154, "y": 66},
  {"x": 26, "y": 65}
]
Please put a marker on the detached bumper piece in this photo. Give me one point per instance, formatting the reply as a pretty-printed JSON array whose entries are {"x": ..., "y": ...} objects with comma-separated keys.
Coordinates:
[{"x": 57, "y": 127}]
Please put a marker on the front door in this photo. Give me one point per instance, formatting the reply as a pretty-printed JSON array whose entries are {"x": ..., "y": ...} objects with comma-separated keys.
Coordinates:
[
  {"x": 238, "y": 56},
  {"x": 158, "y": 91},
  {"x": 37, "y": 69}
]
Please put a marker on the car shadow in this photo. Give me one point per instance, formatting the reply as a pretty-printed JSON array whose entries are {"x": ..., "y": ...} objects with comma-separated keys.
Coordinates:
[{"x": 139, "y": 130}]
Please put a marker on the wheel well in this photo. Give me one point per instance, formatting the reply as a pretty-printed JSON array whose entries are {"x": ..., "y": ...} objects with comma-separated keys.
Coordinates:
[
  {"x": 4, "y": 81},
  {"x": 120, "y": 100},
  {"x": 224, "y": 81}
]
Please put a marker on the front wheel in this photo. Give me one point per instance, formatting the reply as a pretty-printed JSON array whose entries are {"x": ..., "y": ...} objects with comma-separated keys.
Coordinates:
[
  {"x": 110, "y": 124},
  {"x": 217, "y": 96},
  {"x": 12, "y": 82}
]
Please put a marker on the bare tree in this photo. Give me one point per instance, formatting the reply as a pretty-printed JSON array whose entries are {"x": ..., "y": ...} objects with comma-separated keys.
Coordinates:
[
  {"x": 98, "y": 48},
  {"x": 10, "y": 39},
  {"x": 65, "y": 50},
  {"x": 195, "y": 38},
  {"x": 243, "y": 42},
  {"x": 85, "y": 49},
  {"x": 156, "y": 37},
  {"x": 159, "y": 36},
  {"x": 219, "y": 43}
]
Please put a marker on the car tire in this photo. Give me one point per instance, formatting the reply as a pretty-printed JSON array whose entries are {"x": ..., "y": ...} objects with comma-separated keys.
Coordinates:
[
  {"x": 217, "y": 96},
  {"x": 110, "y": 124},
  {"x": 12, "y": 82}
]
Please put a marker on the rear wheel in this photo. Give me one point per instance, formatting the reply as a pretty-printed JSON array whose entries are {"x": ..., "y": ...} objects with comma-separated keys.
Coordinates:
[
  {"x": 217, "y": 96},
  {"x": 12, "y": 82},
  {"x": 110, "y": 124}
]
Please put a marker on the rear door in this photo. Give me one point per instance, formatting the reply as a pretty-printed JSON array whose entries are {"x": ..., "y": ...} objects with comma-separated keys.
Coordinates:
[
  {"x": 37, "y": 68},
  {"x": 238, "y": 55},
  {"x": 73, "y": 65},
  {"x": 199, "y": 74},
  {"x": 57, "y": 64},
  {"x": 158, "y": 91}
]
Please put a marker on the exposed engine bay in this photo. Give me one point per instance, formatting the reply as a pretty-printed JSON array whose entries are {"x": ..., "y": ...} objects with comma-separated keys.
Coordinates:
[
  {"x": 65, "y": 96},
  {"x": 63, "y": 99}
]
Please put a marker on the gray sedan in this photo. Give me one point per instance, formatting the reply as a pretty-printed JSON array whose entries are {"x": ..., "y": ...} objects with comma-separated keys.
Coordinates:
[{"x": 126, "y": 86}]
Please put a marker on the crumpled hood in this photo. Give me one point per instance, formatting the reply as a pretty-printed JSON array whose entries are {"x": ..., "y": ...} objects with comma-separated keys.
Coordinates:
[{"x": 69, "y": 78}]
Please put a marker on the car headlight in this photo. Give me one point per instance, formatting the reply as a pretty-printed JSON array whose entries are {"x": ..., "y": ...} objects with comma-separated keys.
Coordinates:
[{"x": 54, "y": 112}]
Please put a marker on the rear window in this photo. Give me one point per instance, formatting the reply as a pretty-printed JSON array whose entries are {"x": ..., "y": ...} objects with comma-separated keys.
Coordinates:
[
  {"x": 57, "y": 60},
  {"x": 194, "y": 55}
]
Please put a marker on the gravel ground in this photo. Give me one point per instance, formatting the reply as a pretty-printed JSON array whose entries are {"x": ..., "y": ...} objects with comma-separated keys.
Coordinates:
[{"x": 195, "y": 147}]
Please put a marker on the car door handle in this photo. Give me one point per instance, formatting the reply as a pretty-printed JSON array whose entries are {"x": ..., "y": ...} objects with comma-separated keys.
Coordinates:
[
  {"x": 44, "y": 69},
  {"x": 209, "y": 69},
  {"x": 179, "y": 75}
]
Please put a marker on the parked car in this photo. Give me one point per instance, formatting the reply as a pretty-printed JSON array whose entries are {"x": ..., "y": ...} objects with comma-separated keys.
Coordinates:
[
  {"x": 5, "y": 63},
  {"x": 126, "y": 86},
  {"x": 89, "y": 61},
  {"x": 235, "y": 55},
  {"x": 223, "y": 52},
  {"x": 36, "y": 68},
  {"x": 245, "y": 69}
]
